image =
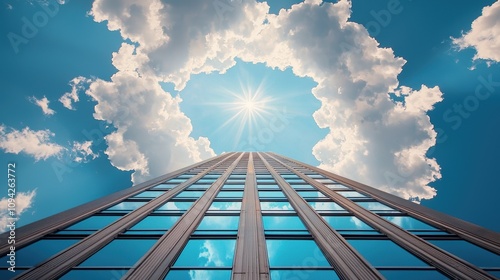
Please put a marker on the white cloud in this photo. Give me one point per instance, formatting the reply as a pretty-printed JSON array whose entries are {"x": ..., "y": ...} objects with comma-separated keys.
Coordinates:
[
  {"x": 484, "y": 35},
  {"x": 82, "y": 152},
  {"x": 77, "y": 84},
  {"x": 23, "y": 201},
  {"x": 372, "y": 138},
  {"x": 42, "y": 103},
  {"x": 33, "y": 143},
  {"x": 152, "y": 134}
]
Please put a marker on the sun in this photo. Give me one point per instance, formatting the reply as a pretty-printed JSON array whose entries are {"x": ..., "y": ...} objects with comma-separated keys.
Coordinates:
[{"x": 247, "y": 109}]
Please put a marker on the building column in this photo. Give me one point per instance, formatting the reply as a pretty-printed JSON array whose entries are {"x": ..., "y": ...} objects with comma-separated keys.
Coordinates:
[
  {"x": 67, "y": 259},
  {"x": 158, "y": 260},
  {"x": 346, "y": 261},
  {"x": 440, "y": 259},
  {"x": 251, "y": 261}
]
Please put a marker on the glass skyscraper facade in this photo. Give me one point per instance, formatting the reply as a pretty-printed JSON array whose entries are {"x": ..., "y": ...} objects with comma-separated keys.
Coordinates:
[{"x": 252, "y": 216}]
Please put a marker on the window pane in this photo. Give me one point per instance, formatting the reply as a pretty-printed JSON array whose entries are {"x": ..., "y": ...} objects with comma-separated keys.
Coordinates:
[
  {"x": 101, "y": 274},
  {"x": 276, "y": 206},
  {"x": 230, "y": 194},
  {"x": 303, "y": 274},
  {"x": 351, "y": 194},
  {"x": 198, "y": 274},
  {"x": 156, "y": 222},
  {"x": 295, "y": 253},
  {"x": 346, "y": 223},
  {"x": 375, "y": 206},
  {"x": 325, "y": 206},
  {"x": 126, "y": 206},
  {"x": 225, "y": 205},
  {"x": 194, "y": 194},
  {"x": 409, "y": 223},
  {"x": 149, "y": 194},
  {"x": 310, "y": 194},
  {"x": 469, "y": 252},
  {"x": 283, "y": 223},
  {"x": 120, "y": 252},
  {"x": 413, "y": 274},
  {"x": 385, "y": 253},
  {"x": 219, "y": 223},
  {"x": 207, "y": 253},
  {"x": 39, "y": 251},
  {"x": 271, "y": 194},
  {"x": 94, "y": 223},
  {"x": 176, "y": 205}
]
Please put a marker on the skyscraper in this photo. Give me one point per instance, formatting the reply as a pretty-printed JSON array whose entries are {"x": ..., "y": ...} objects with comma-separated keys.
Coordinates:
[{"x": 251, "y": 216}]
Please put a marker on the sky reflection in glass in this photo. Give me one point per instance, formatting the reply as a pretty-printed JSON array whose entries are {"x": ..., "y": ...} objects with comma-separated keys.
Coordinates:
[
  {"x": 207, "y": 253},
  {"x": 289, "y": 252}
]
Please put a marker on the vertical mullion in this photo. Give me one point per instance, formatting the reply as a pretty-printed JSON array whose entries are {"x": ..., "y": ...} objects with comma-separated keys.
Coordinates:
[
  {"x": 156, "y": 263},
  {"x": 33, "y": 232},
  {"x": 475, "y": 234},
  {"x": 251, "y": 260},
  {"x": 346, "y": 261},
  {"x": 442, "y": 260},
  {"x": 62, "y": 262}
]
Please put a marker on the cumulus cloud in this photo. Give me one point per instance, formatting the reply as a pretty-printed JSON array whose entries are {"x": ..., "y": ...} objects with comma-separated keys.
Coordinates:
[
  {"x": 371, "y": 138},
  {"x": 152, "y": 135},
  {"x": 33, "y": 143},
  {"x": 82, "y": 152},
  {"x": 43, "y": 104},
  {"x": 77, "y": 84},
  {"x": 484, "y": 35},
  {"x": 23, "y": 201}
]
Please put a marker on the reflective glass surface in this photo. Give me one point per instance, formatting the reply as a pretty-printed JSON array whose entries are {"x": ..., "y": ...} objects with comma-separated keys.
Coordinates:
[
  {"x": 271, "y": 194},
  {"x": 194, "y": 194},
  {"x": 195, "y": 274},
  {"x": 219, "y": 223},
  {"x": 94, "y": 223},
  {"x": 276, "y": 206},
  {"x": 225, "y": 205},
  {"x": 149, "y": 194},
  {"x": 156, "y": 222},
  {"x": 409, "y": 223},
  {"x": 120, "y": 252},
  {"x": 289, "y": 252},
  {"x": 38, "y": 251},
  {"x": 126, "y": 206},
  {"x": 413, "y": 275},
  {"x": 351, "y": 194},
  {"x": 469, "y": 252},
  {"x": 346, "y": 223},
  {"x": 385, "y": 253},
  {"x": 375, "y": 206},
  {"x": 207, "y": 253},
  {"x": 230, "y": 194},
  {"x": 303, "y": 274},
  {"x": 283, "y": 223},
  {"x": 94, "y": 274},
  {"x": 327, "y": 205},
  {"x": 176, "y": 206}
]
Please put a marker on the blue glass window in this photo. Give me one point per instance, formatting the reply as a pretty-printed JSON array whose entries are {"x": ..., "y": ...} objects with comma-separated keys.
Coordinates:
[
  {"x": 94, "y": 274},
  {"x": 120, "y": 252},
  {"x": 311, "y": 194},
  {"x": 236, "y": 194},
  {"x": 290, "y": 252},
  {"x": 219, "y": 223},
  {"x": 385, "y": 253},
  {"x": 346, "y": 223},
  {"x": 190, "y": 194},
  {"x": 149, "y": 194},
  {"x": 206, "y": 274},
  {"x": 271, "y": 194},
  {"x": 412, "y": 274},
  {"x": 283, "y": 223},
  {"x": 351, "y": 194},
  {"x": 376, "y": 206},
  {"x": 207, "y": 253},
  {"x": 469, "y": 252},
  {"x": 276, "y": 206},
  {"x": 94, "y": 223},
  {"x": 326, "y": 206},
  {"x": 126, "y": 206},
  {"x": 225, "y": 205},
  {"x": 303, "y": 274},
  {"x": 156, "y": 222},
  {"x": 175, "y": 206},
  {"x": 39, "y": 251}
]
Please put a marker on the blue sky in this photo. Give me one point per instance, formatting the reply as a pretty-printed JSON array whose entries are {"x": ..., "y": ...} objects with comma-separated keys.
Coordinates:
[{"x": 96, "y": 97}]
